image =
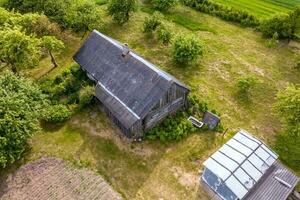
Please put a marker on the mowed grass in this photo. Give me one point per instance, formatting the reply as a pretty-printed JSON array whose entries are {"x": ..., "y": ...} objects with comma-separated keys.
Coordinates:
[{"x": 262, "y": 8}]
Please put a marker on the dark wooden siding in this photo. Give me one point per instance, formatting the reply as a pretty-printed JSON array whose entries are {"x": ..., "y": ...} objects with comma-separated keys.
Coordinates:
[{"x": 172, "y": 101}]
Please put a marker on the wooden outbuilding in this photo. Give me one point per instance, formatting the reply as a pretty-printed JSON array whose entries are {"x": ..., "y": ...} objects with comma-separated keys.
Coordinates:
[{"x": 135, "y": 94}]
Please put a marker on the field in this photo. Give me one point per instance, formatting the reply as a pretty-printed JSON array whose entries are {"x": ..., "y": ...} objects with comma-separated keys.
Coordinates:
[
  {"x": 262, "y": 8},
  {"x": 157, "y": 170},
  {"x": 51, "y": 178}
]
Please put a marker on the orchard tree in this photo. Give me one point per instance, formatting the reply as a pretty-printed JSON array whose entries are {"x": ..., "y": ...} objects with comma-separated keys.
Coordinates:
[
  {"x": 186, "y": 49},
  {"x": 163, "y": 5},
  {"x": 120, "y": 10},
  {"x": 152, "y": 23},
  {"x": 22, "y": 104},
  {"x": 83, "y": 16},
  {"x": 51, "y": 45},
  {"x": 19, "y": 50},
  {"x": 287, "y": 107}
]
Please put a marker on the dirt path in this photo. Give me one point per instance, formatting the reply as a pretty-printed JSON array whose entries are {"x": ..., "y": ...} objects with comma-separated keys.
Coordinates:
[{"x": 51, "y": 178}]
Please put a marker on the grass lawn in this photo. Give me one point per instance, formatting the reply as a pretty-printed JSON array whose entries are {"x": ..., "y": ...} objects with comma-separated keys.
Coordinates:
[
  {"x": 262, "y": 8},
  {"x": 153, "y": 170}
]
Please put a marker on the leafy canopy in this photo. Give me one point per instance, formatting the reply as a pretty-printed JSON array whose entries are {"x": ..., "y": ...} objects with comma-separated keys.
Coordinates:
[
  {"x": 287, "y": 107},
  {"x": 152, "y": 23},
  {"x": 78, "y": 15},
  {"x": 186, "y": 49},
  {"x": 19, "y": 50},
  {"x": 22, "y": 104},
  {"x": 163, "y": 4},
  {"x": 120, "y": 10}
]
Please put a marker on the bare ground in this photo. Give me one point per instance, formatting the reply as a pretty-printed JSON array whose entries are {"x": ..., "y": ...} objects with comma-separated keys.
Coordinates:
[{"x": 51, "y": 178}]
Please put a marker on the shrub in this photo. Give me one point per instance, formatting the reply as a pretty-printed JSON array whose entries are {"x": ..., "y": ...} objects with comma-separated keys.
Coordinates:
[
  {"x": 273, "y": 41},
  {"x": 86, "y": 95},
  {"x": 280, "y": 24},
  {"x": 57, "y": 113},
  {"x": 163, "y": 4},
  {"x": 151, "y": 23},
  {"x": 287, "y": 107},
  {"x": 244, "y": 84},
  {"x": 120, "y": 9},
  {"x": 22, "y": 105},
  {"x": 186, "y": 49},
  {"x": 164, "y": 35},
  {"x": 172, "y": 128}
]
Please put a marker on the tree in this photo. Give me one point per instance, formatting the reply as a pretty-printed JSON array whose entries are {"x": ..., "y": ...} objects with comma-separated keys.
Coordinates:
[
  {"x": 51, "y": 44},
  {"x": 152, "y": 23},
  {"x": 83, "y": 16},
  {"x": 21, "y": 106},
  {"x": 280, "y": 24},
  {"x": 164, "y": 35},
  {"x": 287, "y": 107},
  {"x": 120, "y": 10},
  {"x": 79, "y": 15},
  {"x": 19, "y": 50},
  {"x": 163, "y": 4},
  {"x": 186, "y": 49}
]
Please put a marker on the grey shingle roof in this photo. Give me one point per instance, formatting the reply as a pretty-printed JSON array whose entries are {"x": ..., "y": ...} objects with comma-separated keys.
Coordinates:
[{"x": 130, "y": 86}]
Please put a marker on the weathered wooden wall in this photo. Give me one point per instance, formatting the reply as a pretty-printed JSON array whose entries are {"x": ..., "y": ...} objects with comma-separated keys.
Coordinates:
[{"x": 175, "y": 99}]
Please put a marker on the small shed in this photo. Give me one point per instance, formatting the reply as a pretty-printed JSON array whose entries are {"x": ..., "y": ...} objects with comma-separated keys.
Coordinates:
[
  {"x": 245, "y": 168},
  {"x": 135, "y": 94}
]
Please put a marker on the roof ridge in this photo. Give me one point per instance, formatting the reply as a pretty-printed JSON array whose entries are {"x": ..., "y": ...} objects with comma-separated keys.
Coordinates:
[{"x": 153, "y": 67}]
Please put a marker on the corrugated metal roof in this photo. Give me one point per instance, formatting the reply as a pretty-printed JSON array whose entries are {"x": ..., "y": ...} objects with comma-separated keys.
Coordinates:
[
  {"x": 131, "y": 84},
  {"x": 269, "y": 188},
  {"x": 241, "y": 162}
]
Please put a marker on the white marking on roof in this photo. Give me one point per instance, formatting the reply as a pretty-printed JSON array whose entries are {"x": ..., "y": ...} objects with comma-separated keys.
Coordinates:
[{"x": 114, "y": 96}]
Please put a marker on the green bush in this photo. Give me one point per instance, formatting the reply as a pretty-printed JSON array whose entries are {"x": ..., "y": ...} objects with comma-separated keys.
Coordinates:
[
  {"x": 152, "y": 23},
  {"x": 164, "y": 35},
  {"x": 280, "y": 24},
  {"x": 57, "y": 113},
  {"x": 172, "y": 128},
  {"x": 120, "y": 10},
  {"x": 65, "y": 87},
  {"x": 22, "y": 105},
  {"x": 245, "y": 83},
  {"x": 86, "y": 96},
  {"x": 80, "y": 16},
  {"x": 163, "y": 4},
  {"x": 287, "y": 107},
  {"x": 186, "y": 49}
]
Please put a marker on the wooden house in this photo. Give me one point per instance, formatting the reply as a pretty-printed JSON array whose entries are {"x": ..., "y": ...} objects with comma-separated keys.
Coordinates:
[
  {"x": 135, "y": 94},
  {"x": 247, "y": 169}
]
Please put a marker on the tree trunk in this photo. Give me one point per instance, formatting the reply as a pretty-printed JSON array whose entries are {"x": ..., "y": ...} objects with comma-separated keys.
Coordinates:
[
  {"x": 14, "y": 69},
  {"x": 53, "y": 60},
  {"x": 82, "y": 37}
]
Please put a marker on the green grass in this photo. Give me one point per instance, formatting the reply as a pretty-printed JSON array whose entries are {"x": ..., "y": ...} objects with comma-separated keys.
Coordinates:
[
  {"x": 182, "y": 20},
  {"x": 262, "y": 8}
]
